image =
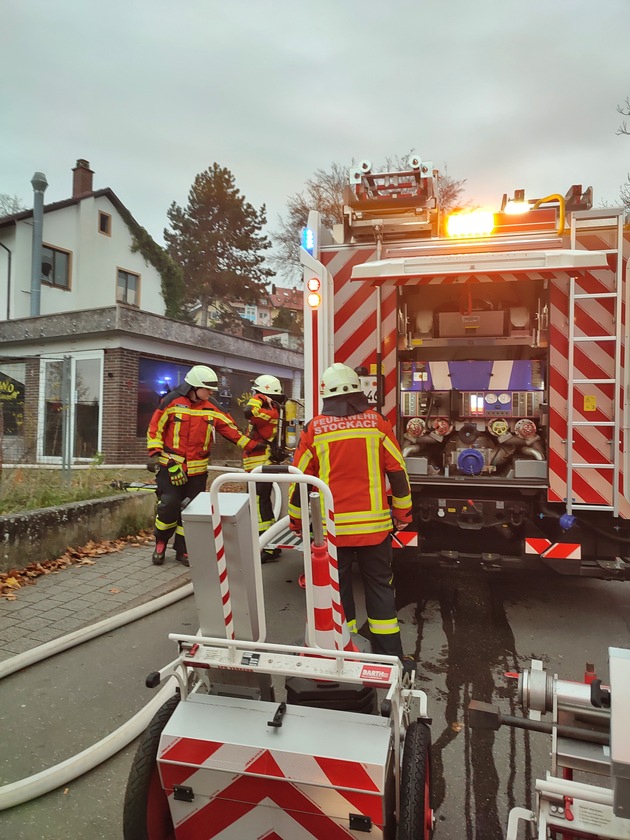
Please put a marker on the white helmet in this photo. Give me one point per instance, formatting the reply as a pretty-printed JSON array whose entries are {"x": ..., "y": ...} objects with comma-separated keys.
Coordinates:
[
  {"x": 201, "y": 376},
  {"x": 339, "y": 379},
  {"x": 266, "y": 384}
]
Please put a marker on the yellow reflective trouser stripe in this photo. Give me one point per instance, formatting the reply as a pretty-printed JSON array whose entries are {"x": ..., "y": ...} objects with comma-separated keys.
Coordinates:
[
  {"x": 164, "y": 526},
  {"x": 180, "y": 530},
  {"x": 383, "y": 626},
  {"x": 197, "y": 464}
]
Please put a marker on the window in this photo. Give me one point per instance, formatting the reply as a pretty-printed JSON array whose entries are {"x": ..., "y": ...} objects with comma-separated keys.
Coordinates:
[
  {"x": 81, "y": 379},
  {"x": 56, "y": 267},
  {"x": 104, "y": 223},
  {"x": 128, "y": 288},
  {"x": 250, "y": 313}
]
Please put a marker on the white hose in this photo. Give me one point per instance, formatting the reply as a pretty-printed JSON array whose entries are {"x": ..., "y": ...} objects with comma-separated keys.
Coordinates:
[
  {"x": 30, "y": 657},
  {"x": 17, "y": 793}
]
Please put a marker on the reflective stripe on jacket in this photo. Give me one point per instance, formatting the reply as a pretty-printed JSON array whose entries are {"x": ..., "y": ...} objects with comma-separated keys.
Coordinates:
[
  {"x": 181, "y": 430},
  {"x": 262, "y": 426},
  {"x": 355, "y": 455}
]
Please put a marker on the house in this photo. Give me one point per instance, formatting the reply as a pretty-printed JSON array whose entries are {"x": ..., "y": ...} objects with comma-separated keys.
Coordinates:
[
  {"x": 81, "y": 377},
  {"x": 87, "y": 256}
]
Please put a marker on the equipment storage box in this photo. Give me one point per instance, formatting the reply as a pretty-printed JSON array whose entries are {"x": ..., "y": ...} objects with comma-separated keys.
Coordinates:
[{"x": 228, "y": 774}]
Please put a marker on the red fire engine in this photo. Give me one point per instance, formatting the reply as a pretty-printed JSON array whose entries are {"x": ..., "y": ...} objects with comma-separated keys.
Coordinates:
[{"x": 496, "y": 344}]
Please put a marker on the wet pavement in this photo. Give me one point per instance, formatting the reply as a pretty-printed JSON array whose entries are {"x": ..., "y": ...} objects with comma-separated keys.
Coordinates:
[{"x": 466, "y": 630}]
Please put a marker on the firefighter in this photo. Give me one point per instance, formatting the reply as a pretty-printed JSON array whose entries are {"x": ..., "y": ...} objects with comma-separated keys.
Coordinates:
[
  {"x": 263, "y": 414},
  {"x": 353, "y": 449},
  {"x": 178, "y": 442}
]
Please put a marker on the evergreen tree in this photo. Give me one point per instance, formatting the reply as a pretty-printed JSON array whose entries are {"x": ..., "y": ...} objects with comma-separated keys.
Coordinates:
[{"x": 217, "y": 241}]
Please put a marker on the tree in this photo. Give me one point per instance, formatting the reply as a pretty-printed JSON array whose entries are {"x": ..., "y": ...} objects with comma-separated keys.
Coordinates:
[
  {"x": 217, "y": 241},
  {"x": 624, "y": 110},
  {"x": 10, "y": 204},
  {"x": 285, "y": 319},
  {"x": 323, "y": 191}
]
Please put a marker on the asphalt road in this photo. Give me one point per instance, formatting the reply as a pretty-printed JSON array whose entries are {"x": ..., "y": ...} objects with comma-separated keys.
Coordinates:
[{"x": 465, "y": 630}]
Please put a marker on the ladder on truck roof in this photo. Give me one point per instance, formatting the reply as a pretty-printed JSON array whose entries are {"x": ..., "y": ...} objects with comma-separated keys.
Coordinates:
[{"x": 580, "y": 221}]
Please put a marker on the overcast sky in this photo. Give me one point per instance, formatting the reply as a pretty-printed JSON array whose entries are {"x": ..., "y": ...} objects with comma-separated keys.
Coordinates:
[{"x": 506, "y": 95}]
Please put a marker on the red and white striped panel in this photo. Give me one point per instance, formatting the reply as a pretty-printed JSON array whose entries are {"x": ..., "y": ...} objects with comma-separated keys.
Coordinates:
[
  {"x": 355, "y": 320},
  {"x": 592, "y": 403},
  {"x": 229, "y": 803},
  {"x": 245, "y": 806},
  {"x": 404, "y": 539},
  {"x": 556, "y": 551}
]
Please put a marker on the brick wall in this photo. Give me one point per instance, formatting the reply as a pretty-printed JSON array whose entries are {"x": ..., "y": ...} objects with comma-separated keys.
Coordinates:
[
  {"x": 121, "y": 444},
  {"x": 31, "y": 405}
]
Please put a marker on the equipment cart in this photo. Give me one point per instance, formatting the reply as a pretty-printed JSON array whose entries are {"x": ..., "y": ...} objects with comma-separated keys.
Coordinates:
[
  {"x": 590, "y": 729},
  {"x": 224, "y": 758}
]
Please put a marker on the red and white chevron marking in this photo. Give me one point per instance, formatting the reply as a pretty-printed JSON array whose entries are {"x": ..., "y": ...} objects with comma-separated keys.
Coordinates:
[
  {"x": 355, "y": 320},
  {"x": 245, "y": 792},
  {"x": 404, "y": 539},
  {"x": 592, "y": 360},
  {"x": 556, "y": 551}
]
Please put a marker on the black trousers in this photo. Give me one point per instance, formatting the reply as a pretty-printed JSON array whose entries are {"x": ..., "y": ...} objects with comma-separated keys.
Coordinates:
[
  {"x": 168, "y": 519},
  {"x": 375, "y": 565}
]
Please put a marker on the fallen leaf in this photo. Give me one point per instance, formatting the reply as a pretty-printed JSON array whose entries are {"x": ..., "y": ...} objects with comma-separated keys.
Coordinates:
[
  {"x": 457, "y": 726},
  {"x": 13, "y": 583},
  {"x": 114, "y": 591},
  {"x": 66, "y": 790}
]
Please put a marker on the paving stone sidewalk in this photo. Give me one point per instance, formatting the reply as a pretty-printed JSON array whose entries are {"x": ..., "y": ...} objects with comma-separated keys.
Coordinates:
[{"x": 77, "y": 596}]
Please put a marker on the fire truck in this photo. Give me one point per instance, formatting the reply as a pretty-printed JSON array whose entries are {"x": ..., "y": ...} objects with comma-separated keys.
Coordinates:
[{"x": 495, "y": 342}]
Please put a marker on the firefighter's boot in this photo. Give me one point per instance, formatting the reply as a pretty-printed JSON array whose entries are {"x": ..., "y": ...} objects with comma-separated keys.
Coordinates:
[
  {"x": 268, "y": 554},
  {"x": 159, "y": 554},
  {"x": 182, "y": 558}
]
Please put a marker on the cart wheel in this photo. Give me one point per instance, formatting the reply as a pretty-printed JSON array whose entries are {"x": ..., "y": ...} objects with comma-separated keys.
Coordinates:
[
  {"x": 416, "y": 813},
  {"x": 146, "y": 813}
]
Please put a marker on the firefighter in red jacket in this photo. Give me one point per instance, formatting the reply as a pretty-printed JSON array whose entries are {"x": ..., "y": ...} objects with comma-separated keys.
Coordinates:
[
  {"x": 354, "y": 450},
  {"x": 178, "y": 442},
  {"x": 263, "y": 414}
]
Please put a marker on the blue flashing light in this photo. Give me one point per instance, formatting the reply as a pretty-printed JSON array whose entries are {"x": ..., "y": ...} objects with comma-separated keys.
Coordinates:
[{"x": 308, "y": 240}]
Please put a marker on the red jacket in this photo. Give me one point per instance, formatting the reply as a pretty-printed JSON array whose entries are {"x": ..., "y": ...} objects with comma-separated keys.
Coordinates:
[
  {"x": 181, "y": 430},
  {"x": 262, "y": 415},
  {"x": 356, "y": 455}
]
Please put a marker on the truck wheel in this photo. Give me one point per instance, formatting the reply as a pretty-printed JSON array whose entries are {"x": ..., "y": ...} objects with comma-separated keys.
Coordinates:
[
  {"x": 416, "y": 814},
  {"x": 146, "y": 814}
]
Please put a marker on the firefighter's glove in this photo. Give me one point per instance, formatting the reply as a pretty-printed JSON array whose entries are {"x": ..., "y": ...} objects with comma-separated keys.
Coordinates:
[
  {"x": 401, "y": 520},
  {"x": 177, "y": 474},
  {"x": 153, "y": 462},
  {"x": 255, "y": 446}
]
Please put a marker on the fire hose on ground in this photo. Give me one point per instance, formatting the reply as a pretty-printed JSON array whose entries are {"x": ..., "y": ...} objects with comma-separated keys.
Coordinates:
[{"x": 17, "y": 793}]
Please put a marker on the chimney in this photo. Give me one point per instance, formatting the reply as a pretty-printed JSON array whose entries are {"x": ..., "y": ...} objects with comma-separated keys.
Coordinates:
[{"x": 82, "y": 177}]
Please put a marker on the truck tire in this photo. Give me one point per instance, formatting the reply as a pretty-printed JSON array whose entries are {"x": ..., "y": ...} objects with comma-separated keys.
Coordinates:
[
  {"x": 146, "y": 814},
  {"x": 416, "y": 814}
]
